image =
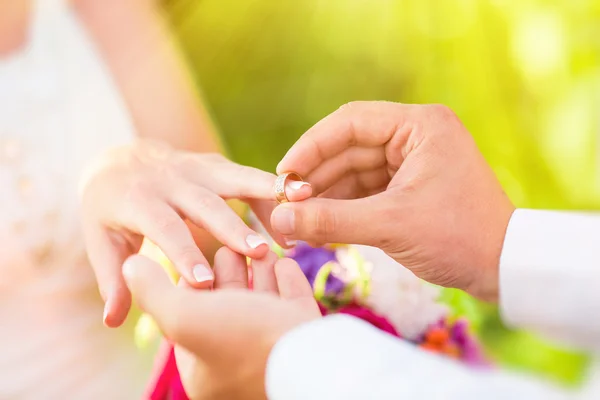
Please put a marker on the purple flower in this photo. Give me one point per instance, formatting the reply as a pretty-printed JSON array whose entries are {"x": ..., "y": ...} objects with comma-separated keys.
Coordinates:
[{"x": 311, "y": 260}]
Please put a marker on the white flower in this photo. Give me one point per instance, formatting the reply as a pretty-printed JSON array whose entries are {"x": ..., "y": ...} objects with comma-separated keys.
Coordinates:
[
  {"x": 409, "y": 303},
  {"x": 353, "y": 268}
]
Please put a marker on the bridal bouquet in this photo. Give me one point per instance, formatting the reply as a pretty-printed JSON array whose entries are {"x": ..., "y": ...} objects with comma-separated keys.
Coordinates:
[{"x": 366, "y": 283}]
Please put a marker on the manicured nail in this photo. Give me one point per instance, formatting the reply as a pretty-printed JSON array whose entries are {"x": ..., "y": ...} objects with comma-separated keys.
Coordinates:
[
  {"x": 296, "y": 185},
  {"x": 254, "y": 240},
  {"x": 105, "y": 312},
  {"x": 202, "y": 273},
  {"x": 283, "y": 220},
  {"x": 291, "y": 243}
]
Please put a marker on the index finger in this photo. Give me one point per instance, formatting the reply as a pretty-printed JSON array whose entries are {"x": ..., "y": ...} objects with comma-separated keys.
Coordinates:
[
  {"x": 234, "y": 181},
  {"x": 165, "y": 228},
  {"x": 364, "y": 123},
  {"x": 170, "y": 306}
]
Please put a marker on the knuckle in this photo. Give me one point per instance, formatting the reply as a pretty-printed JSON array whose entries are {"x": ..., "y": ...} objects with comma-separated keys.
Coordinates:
[
  {"x": 410, "y": 186},
  {"x": 139, "y": 190},
  {"x": 217, "y": 157},
  {"x": 350, "y": 106},
  {"x": 324, "y": 223},
  {"x": 167, "y": 224},
  {"x": 438, "y": 122},
  {"x": 441, "y": 111},
  {"x": 443, "y": 116},
  {"x": 247, "y": 172},
  {"x": 189, "y": 255},
  {"x": 206, "y": 201},
  {"x": 200, "y": 167},
  {"x": 344, "y": 107},
  {"x": 213, "y": 158},
  {"x": 238, "y": 229},
  {"x": 240, "y": 170},
  {"x": 167, "y": 170}
]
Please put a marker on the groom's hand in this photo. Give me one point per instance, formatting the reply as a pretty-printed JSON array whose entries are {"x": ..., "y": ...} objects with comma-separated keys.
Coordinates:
[
  {"x": 223, "y": 338},
  {"x": 408, "y": 179}
]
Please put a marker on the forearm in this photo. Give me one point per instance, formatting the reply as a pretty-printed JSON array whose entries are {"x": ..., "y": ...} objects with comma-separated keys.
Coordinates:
[{"x": 135, "y": 42}]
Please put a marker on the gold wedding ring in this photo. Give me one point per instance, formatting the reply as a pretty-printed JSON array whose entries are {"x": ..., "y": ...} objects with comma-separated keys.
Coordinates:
[{"x": 280, "y": 184}]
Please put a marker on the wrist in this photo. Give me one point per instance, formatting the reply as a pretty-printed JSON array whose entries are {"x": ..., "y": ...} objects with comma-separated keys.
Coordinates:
[{"x": 486, "y": 286}]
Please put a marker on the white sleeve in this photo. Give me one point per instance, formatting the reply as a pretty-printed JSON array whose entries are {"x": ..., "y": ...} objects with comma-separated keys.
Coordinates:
[
  {"x": 550, "y": 275},
  {"x": 343, "y": 358}
]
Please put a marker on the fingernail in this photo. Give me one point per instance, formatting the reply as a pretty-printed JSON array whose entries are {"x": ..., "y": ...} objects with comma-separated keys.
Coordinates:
[
  {"x": 283, "y": 220},
  {"x": 202, "y": 273},
  {"x": 291, "y": 243},
  {"x": 105, "y": 312},
  {"x": 296, "y": 185},
  {"x": 107, "y": 306},
  {"x": 254, "y": 240}
]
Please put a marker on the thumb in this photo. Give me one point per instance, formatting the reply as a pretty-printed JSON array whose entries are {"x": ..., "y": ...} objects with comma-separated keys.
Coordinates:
[
  {"x": 319, "y": 220},
  {"x": 156, "y": 295},
  {"x": 150, "y": 285},
  {"x": 191, "y": 318}
]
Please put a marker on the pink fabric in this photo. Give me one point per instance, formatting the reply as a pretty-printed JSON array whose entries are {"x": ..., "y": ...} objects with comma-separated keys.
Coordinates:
[{"x": 166, "y": 384}]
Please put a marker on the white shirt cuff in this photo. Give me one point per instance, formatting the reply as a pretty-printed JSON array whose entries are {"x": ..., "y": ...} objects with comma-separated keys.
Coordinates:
[{"x": 550, "y": 275}]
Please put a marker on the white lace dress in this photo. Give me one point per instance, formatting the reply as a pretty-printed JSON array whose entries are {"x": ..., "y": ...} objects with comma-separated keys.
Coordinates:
[{"x": 58, "y": 108}]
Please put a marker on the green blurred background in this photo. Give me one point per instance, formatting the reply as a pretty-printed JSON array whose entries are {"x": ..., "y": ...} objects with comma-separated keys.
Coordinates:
[{"x": 524, "y": 76}]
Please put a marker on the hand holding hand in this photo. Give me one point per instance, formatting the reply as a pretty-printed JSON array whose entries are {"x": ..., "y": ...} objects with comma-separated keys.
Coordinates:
[
  {"x": 225, "y": 337},
  {"x": 150, "y": 190},
  {"x": 408, "y": 179}
]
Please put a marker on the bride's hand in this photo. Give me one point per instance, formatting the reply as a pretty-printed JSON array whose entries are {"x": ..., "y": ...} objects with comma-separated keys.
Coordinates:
[
  {"x": 223, "y": 338},
  {"x": 150, "y": 190}
]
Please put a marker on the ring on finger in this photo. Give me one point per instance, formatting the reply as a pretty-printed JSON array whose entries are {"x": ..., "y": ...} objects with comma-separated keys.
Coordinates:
[{"x": 280, "y": 184}]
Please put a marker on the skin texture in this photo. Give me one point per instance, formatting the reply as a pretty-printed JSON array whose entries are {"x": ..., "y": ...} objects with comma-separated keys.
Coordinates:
[
  {"x": 150, "y": 190},
  {"x": 149, "y": 70},
  {"x": 408, "y": 179},
  {"x": 225, "y": 337}
]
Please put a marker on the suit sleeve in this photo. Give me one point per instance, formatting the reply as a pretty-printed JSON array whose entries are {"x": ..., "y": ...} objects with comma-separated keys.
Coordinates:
[{"x": 343, "y": 358}]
